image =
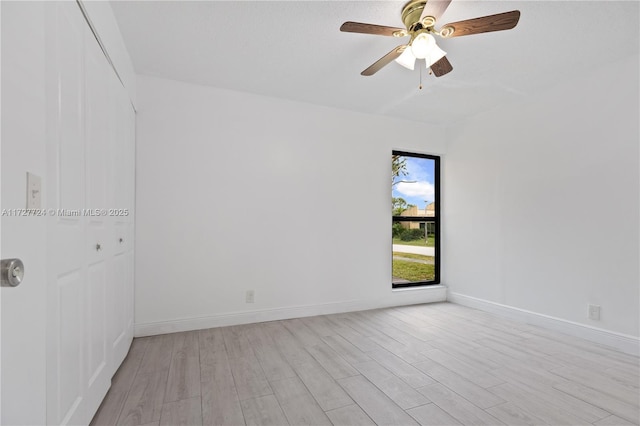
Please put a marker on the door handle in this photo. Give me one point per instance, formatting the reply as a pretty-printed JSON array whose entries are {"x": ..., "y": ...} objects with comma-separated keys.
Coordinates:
[{"x": 11, "y": 272}]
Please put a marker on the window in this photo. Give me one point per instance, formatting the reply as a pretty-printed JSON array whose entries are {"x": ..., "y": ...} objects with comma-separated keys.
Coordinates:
[{"x": 415, "y": 193}]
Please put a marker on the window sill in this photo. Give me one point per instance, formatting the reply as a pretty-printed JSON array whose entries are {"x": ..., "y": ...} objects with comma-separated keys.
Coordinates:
[{"x": 421, "y": 287}]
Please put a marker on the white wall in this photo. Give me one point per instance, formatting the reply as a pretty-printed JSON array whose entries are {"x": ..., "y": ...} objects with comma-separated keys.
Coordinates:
[
  {"x": 237, "y": 191},
  {"x": 541, "y": 202}
]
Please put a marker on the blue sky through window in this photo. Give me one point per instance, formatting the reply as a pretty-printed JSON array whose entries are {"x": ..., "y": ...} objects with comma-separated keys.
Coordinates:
[{"x": 417, "y": 186}]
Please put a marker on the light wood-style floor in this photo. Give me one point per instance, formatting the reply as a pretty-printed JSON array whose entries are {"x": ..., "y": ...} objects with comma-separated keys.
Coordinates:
[{"x": 435, "y": 364}]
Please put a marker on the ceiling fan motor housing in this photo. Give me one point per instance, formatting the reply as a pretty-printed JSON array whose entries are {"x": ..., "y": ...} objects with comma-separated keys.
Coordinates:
[{"x": 411, "y": 13}]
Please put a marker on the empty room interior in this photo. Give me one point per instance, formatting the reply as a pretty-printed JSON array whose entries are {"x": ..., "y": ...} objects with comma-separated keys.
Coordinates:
[{"x": 320, "y": 212}]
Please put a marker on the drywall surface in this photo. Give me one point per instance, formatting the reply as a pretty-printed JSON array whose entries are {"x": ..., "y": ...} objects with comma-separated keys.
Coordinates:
[
  {"x": 541, "y": 202},
  {"x": 104, "y": 22},
  {"x": 240, "y": 192}
]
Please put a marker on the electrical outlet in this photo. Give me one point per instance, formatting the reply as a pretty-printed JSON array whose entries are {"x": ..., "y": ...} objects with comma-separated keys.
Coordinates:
[
  {"x": 250, "y": 296},
  {"x": 594, "y": 312}
]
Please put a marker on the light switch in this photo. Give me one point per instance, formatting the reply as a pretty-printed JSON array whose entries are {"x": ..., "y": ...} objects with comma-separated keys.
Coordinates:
[{"x": 34, "y": 191}]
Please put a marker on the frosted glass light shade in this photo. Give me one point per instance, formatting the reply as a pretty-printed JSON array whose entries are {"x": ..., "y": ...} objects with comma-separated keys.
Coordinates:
[
  {"x": 406, "y": 59},
  {"x": 422, "y": 45},
  {"x": 434, "y": 56}
]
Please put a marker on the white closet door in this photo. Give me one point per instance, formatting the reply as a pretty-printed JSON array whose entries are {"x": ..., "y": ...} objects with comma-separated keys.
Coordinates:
[
  {"x": 100, "y": 127},
  {"x": 66, "y": 267},
  {"x": 120, "y": 287},
  {"x": 130, "y": 202}
]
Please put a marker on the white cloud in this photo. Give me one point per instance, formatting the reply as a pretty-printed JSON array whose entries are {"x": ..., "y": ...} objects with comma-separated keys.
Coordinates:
[{"x": 423, "y": 190}]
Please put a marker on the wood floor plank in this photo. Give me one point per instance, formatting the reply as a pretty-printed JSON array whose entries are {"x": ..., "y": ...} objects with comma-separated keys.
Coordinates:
[
  {"x": 535, "y": 406},
  {"x": 458, "y": 407},
  {"x": 249, "y": 378},
  {"x": 346, "y": 350},
  {"x": 358, "y": 340},
  {"x": 400, "y": 350},
  {"x": 613, "y": 421},
  {"x": 273, "y": 364},
  {"x": 397, "y": 330},
  {"x": 469, "y": 372},
  {"x": 220, "y": 402},
  {"x": 460, "y": 332},
  {"x": 114, "y": 401},
  {"x": 376, "y": 404},
  {"x": 466, "y": 353},
  {"x": 320, "y": 325},
  {"x": 511, "y": 414},
  {"x": 184, "y": 372},
  {"x": 335, "y": 365},
  {"x": 432, "y": 415},
  {"x": 362, "y": 327},
  {"x": 301, "y": 332},
  {"x": 236, "y": 341},
  {"x": 540, "y": 383},
  {"x": 614, "y": 406},
  {"x": 474, "y": 393},
  {"x": 628, "y": 376},
  {"x": 351, "y": 415},
  {"x": 519, "y": 354},
  {"x": 186, "y": 412},
  {"x": 298, "y": 404},
  {"x": 263, "y": 411},
  {"x": 321, "y": 385},
  {"x": 319, "y": 382},
  {"x": 581, "y": 347},
  {"x": 593, "y": 379},
  {"x": 412, "y": 325},
  {"x": 405, "y": 371},
  {"x": 514, "y": 362},
  {"x": 145, "y": 398},
  {"x": 211, "y": 339},
  {"x": 397, "y": 390},
  {"x": 518, "y": 348},
  {"x": 157, "y": 357}
]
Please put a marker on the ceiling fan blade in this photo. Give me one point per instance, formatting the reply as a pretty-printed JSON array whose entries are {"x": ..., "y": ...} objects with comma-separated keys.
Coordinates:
[
  {"x": 377, "y": 65},
  {"x": 442, "y": 67},
  {"x": 485, "y": 24},
  {"x": 359, "y": 27},
  {"x": 435, "y": 8}
]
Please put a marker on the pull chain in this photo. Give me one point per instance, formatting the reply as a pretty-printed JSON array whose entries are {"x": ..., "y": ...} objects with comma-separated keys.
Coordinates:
[{"x": 420, "y": 86}]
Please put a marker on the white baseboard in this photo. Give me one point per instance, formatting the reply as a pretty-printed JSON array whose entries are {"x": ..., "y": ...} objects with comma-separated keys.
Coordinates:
[
  {"x": 402, "y": 297},
  {"x": 622, "y": 342}
]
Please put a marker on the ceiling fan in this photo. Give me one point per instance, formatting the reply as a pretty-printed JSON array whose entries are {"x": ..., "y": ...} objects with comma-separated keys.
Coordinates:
[{"x": 419, "y": 18}]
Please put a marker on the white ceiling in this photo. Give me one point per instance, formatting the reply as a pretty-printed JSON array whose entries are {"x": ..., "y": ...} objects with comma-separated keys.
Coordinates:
[{"x": 294, "y": 50}]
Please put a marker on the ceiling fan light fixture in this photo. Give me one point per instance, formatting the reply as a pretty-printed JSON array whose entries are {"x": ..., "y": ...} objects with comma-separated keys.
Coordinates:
[
  {"x": 406, "y": 59},
  {"x": 422, "y": 45},
  {"x": 419, "y": 18}
]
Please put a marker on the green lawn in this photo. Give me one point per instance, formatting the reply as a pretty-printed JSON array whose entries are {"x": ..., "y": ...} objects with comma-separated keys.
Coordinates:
[
  {"x": 429, "y": 243},
  {"x": 413, "y": 271}
]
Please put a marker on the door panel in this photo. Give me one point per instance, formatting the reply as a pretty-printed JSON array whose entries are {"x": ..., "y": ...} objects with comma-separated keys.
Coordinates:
[
  {"x": 65, "y": 266},
  {"x": 22, "y": 145},
  {"x": 70, "y": 351},
  {"x": 119, "y": 320},
  {"x": 123, "y": 189},
  {"x": 99, "y": 135},
  {"x": 98, "y": 374}
]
